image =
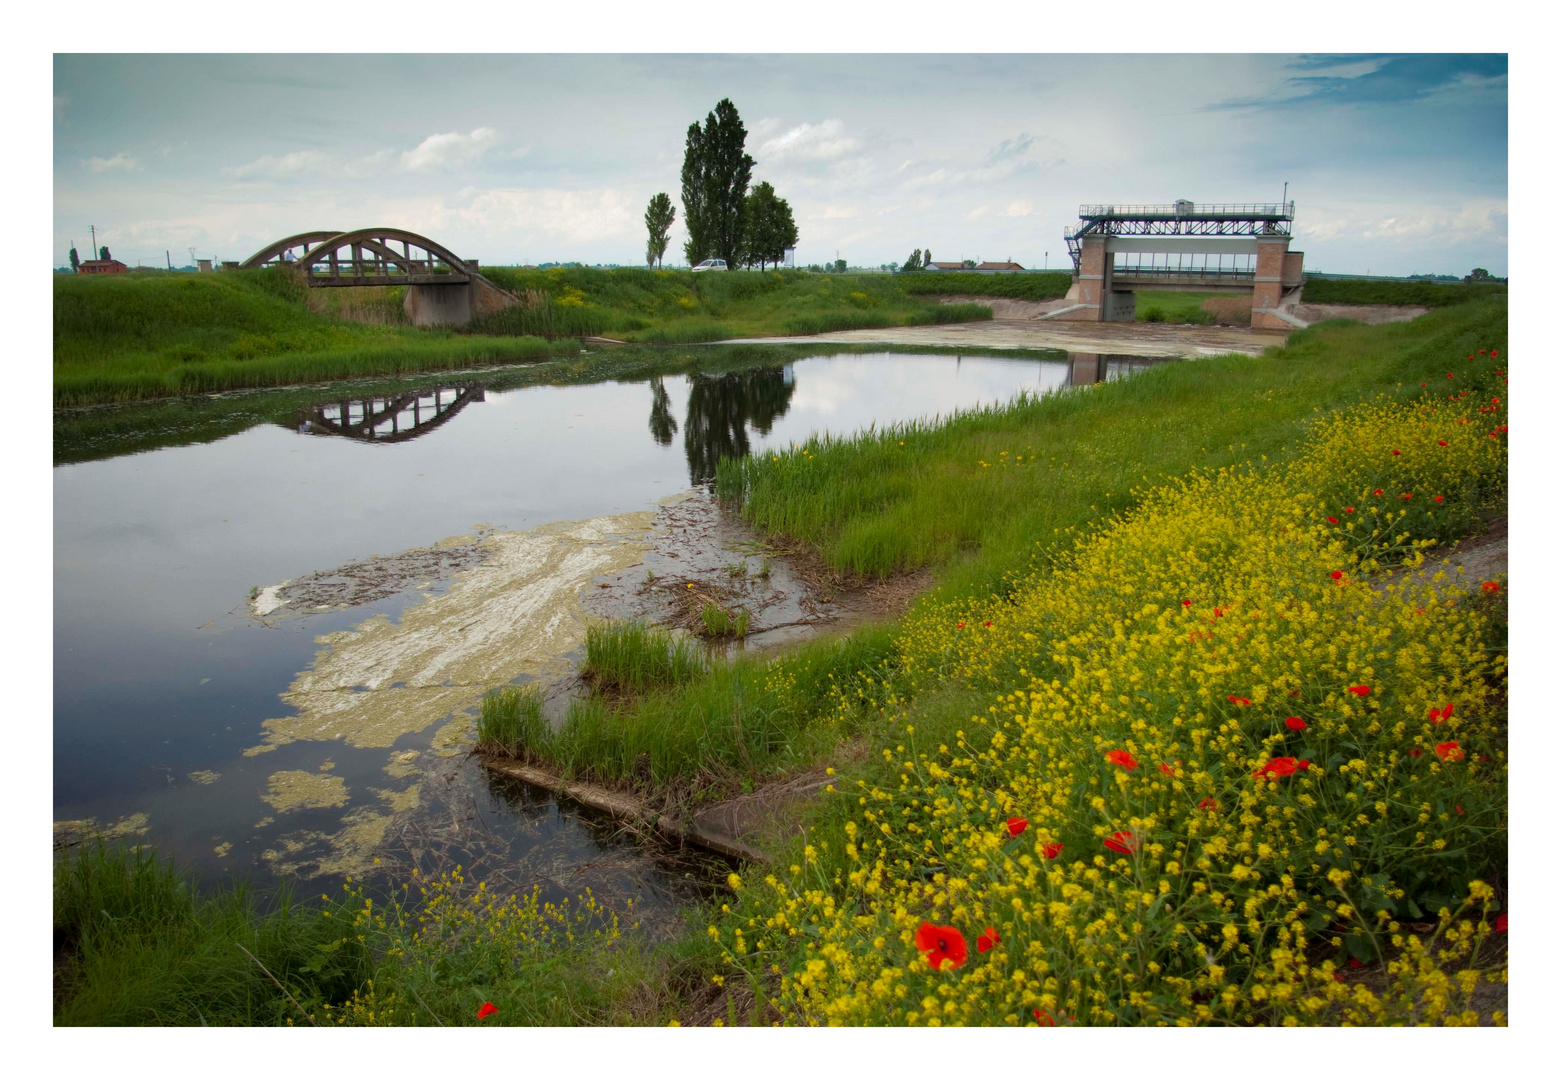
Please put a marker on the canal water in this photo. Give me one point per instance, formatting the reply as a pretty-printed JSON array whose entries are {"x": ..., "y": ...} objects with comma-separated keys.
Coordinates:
[{"x": 329, "y": 736}]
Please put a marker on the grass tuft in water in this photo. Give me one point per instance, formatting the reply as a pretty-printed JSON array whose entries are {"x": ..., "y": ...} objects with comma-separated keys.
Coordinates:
[
  {"x": 511, "y": 720},
  {"x": 631, "y": 656}
]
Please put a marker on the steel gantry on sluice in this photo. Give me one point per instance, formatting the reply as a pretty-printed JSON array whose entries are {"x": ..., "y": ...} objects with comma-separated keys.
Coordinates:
[{"x": 1121, "y": 249}]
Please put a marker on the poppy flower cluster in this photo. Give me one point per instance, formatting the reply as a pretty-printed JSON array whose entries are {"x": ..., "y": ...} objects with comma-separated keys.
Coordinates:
[
  {"x": 1122, "y": 758},
  {"x": 1436, "y": 716},
  {"x": 1243, "y": 702}
]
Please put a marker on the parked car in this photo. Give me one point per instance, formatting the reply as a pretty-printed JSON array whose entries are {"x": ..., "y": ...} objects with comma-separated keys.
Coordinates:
[{"x": 710, "y": 264}]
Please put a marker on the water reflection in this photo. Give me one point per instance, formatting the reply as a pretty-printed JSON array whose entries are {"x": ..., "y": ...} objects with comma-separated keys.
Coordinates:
[
  {"x": 388, "y": 418},
  {"x": 722, "y": 407},
  {"x": 662, "y": 424}
]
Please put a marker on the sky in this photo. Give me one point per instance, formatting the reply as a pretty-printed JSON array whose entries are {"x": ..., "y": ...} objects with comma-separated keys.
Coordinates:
[{"x": 1397, "y": 163}]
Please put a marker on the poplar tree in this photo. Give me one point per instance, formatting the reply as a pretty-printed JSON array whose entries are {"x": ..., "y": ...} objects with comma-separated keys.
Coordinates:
[
  {"x": 659, "y": 215},
  {"x": 716, "y": 171}
]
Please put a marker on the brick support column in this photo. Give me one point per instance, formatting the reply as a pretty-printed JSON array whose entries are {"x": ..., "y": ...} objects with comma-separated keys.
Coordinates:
[{"x": 1268, "y": 285}]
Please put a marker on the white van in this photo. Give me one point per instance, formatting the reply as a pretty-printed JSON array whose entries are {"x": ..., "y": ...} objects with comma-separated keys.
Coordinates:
[{"x": 710, "y": 264}]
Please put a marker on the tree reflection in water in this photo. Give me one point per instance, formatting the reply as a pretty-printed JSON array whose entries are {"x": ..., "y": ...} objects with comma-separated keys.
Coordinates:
[
  {"x": 662, "y": 424},
  {"x": 720, "y": 410}
]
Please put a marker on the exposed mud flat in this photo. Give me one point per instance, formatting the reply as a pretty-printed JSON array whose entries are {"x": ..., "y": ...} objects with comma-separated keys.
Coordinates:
[
  {"x": 371, "y": 579},
  {"x": 515, "y": 614},
  {"x": 71, "y": 833}
]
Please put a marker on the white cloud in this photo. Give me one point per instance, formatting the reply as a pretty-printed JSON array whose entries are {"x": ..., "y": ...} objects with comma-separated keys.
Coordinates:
[
  {"x": 449, "y": 150},
  {"x": 556, "y": 216},
  {"x": 120, "y": 160},
  {"x": 810, "y": 142},
  {"x": 276, "y": 166}
]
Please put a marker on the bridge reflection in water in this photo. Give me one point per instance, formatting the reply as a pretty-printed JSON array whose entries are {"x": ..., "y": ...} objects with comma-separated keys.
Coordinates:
[
  {"x": 1085, "y": 369},
  {"x": 388, "y": 418}
]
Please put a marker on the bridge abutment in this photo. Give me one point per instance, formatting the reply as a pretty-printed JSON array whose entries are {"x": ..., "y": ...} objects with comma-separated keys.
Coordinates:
[{"x": 438, "y": 305}]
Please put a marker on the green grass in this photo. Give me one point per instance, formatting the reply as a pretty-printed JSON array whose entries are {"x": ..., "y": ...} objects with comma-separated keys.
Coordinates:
[
  {"x": 133, "y": 337},
  {"x": 1043, "y": 286},
  {"x": 510, "y": 719},
  {"x": 631, "y": 656},
  {"x": 1421, "y": 293},
  {"x": 137, "y": 946},
  {"x": 1173, "y": 307}
]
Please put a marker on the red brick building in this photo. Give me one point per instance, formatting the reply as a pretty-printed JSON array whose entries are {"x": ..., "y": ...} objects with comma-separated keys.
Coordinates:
[{"x": 103, "y": 266}]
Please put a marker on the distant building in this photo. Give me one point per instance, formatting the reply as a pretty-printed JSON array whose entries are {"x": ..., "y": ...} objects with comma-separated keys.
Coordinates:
[
  {"x": 103, "y": 266},
  {"x": 999, "y": 268},
  {"x": 946, "y": 267}
]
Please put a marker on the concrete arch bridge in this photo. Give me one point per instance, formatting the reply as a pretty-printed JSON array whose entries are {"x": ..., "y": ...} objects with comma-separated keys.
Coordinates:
[{"x": 442, "y": 289}]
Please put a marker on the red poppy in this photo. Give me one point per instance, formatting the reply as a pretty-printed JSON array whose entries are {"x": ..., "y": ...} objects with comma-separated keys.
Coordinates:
[
  {"x": 940, "y": 943},
  {"x": 1243, "y": 702},
  {"x": 1360, "y": 691},
  {"x": 1458, "y": 809},
  {"x": 959, "y": 626},
  {"x": 1338, "y": 976},
  {"x": 1501, "y": 923},
  {"x": 1122, "y": 758},
  {"x": 1482, "y": 352},
  {"x": 1436, "y": 716},
  {"x": 487, "y": 1010},
  {"x": 1044, "y": 1018},
  {"x": 1437, "y": 498},
  {"x": 1354, "y": 963},
  {"x": 1495, "y": 401},
  {"x": 1211, "y": 805},
  {"x": 1337, "y": 574},
  {"x": 1441, "y": 442},
  {"x": 1415, "y": 752},
  {"x": 1295, "y": 723},
  {"x": 1295, "y": 693},
  {"x": 1493, "y": 354},
  {"x": 1396, "y": 453},
  {"x": 1124, "y": 843},
  {"x": 1168, "y": 769},
  {"x": 1377, "y": 492},
  {"x": 1407, "y": 495},
  {"x": 988, "y": 623},
  {"x": 1490, "y": 586},
  {"x": 1051, "y": 851},
  {"x": 1282, "y": 766},
  {"x": 1349, "y": 509},
  {"x": 1186, "y": 603},
  {"x": 1449, "y": 751},
  {"x": 1332, "y": 520},
  {"x": 1017, "y": 825},
  {"x": 1218, "y": 612},
  {"x": 986, "y": 939}
]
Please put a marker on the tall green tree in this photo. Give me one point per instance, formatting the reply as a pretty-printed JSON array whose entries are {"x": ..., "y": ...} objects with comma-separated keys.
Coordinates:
[
  {"x": 716, "y": 171},
  {"x": 75, "y": 261},
  {"x": 659, "y": 215},
  {"x": 768, "y": 224}
]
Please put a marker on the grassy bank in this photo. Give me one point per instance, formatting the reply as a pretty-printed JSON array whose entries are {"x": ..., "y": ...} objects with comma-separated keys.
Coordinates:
[
  {"x": 154, "y": 336},
  {"x": 976, "y": 496},
  {"x": 132, "y": 337},
  {"x": 677, "y": 306},
  {"x": 1420, "y": 293},
  {"x": 1043, "y": 286}
]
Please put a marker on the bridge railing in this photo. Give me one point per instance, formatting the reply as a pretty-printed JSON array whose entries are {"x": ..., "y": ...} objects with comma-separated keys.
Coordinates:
[
  {"x": 1185, "y": 210},
  {"x": 1161, "y": 273}
]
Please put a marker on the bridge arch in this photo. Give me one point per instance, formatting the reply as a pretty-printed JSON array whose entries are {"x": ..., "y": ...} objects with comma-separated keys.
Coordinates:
[
  {"x": 378, "y": 241},
  {"x": 277, "y": 251}
]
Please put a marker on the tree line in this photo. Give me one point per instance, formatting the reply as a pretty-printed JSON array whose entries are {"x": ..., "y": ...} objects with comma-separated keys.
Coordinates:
[{"x": 725, "y": 218}]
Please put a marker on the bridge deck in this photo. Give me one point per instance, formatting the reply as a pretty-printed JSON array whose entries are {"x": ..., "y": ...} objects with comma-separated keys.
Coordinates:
[{"x": 326, "y": 281}]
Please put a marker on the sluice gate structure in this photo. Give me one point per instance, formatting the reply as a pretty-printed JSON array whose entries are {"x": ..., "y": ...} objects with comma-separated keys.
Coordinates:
[{"x": 1242, "y": 248}]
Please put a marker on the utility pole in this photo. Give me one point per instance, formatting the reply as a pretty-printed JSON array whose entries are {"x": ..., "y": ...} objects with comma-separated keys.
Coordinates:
[
  {"x": 1286, "y": 196},
  {"x": 94, "y": 229},
  {"x": 169, "y": 256}
]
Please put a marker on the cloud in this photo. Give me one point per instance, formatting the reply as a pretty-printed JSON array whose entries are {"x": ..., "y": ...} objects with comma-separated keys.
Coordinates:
[
  {"x": 1388, "y": 80},
  {"x": 120, "y": 160},
  {"x": 274, "y": 166},
  {"x": 1010, "y": 149},
  {"x": 449, "y": 150},
  {"x": 554, "y": 215},
  {"x": 809, "y": 142},
  {"x": 1484, "y": 219}
]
